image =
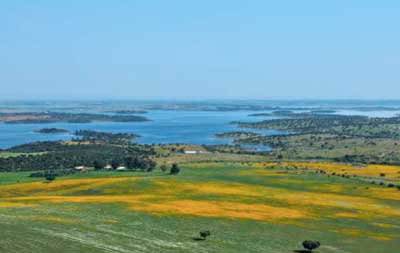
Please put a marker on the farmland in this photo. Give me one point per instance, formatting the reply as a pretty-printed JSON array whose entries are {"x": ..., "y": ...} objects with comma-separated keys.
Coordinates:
[
  {"x": 332, "y": 179},
  {"x": 248, "y": 207}
]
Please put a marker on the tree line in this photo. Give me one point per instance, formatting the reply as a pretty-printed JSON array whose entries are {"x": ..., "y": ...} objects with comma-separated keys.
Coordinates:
[{"x": 55, "y": 156}]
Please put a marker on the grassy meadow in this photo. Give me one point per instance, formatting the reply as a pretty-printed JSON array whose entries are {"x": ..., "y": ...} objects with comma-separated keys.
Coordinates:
[{"x": 247, "y": 206}]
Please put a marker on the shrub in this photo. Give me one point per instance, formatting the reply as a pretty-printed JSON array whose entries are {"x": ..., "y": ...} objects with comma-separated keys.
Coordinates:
[
  {"x": 163, "y": 168},
  {"x": 175, "y": 169},
  {"x": 311, "y": 245},
  {"x": 49, "y": 177},
  {"x": 205, "y": 234}
]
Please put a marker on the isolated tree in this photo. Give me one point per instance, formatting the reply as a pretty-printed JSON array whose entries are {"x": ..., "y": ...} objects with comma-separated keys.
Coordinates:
[
  {"x": 205, "y": 234},
  {"x": 311, "y": 245},
  {"x": 49, "y": 177},
  {"x": 175, "y": 169}
]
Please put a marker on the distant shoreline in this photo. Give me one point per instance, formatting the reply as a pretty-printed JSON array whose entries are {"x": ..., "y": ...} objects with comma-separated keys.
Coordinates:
[
  {"x": 51, "y": 131},
  {"x": 57, "y": 117}
]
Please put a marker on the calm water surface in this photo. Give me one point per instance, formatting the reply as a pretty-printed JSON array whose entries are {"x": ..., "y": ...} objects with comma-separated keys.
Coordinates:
[{"x": 192, "y": 127}]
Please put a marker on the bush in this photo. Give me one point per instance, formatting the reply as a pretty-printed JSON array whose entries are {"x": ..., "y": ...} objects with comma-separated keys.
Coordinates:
[
  {"x": 50, "y": 177},
  {"x": 205, "y": 234},
  {"x": 163, "y": 168},
  {"x": 311, "y": 245},
  {"x": 175, "y": 169}
]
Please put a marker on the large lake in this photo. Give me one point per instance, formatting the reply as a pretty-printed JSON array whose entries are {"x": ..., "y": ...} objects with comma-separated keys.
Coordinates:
[{"x": 192, "y": 127}]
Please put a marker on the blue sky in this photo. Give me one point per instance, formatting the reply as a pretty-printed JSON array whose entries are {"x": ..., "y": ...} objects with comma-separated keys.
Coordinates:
[{"x": 199, "y": 49}]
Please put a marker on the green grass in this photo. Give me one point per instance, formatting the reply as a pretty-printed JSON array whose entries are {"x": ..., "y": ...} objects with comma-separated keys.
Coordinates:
[
  {"x": 15, "y": 177},
  {"x": 83, "y": 227}
]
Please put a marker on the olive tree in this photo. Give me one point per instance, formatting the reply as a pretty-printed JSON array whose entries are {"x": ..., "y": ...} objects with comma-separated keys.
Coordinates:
[
  {"x": 311, "y": 245},
  {"x": 205, "y": 234}
]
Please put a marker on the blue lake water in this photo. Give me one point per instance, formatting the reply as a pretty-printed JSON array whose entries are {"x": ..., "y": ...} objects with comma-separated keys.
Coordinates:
[{"x": 191, "y": 127}]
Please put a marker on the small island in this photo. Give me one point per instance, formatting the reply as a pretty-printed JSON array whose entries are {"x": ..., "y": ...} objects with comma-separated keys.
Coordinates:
[
  {"x": 96, "y": 137},
  {"x": 129, "y": 111},
  {"x": 274, "y": 113},
  {"x": 237, "y": 135},
  {"x": 323, "y": 111},
  {"x": 52, "y": 131},
  {"x": 55, "y": 117}
]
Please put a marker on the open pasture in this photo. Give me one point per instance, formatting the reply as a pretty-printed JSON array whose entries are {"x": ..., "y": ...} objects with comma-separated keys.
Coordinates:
[{"x": 247, "y": 206}]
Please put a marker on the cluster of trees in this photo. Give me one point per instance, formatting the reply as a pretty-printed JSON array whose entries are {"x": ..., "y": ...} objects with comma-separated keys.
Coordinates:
[
  {"x": 136, "y": 162},
  {"x": 174, "y": 170},
  {"x": 355, "y": 126},
  {"x": 339, "y": 138},
  {"x": 51, "y": 130},
  {"x": 56, "y": 156},
  {"x": 104, "y": 137},
  {"x": 37, "y": 147},
  {"x": 392, "y": 159}
]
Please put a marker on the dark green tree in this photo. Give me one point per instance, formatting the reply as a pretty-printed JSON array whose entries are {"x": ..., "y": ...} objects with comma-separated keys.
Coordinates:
[
  {"x": 50, "y": 177},
  {"x": 175, "y": 169},
  {"x": 205, "y": 234},
  {"x": 311, "y": 245}
]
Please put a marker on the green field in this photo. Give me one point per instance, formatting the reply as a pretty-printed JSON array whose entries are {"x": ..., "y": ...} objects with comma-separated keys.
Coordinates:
[{"x": 246, "y": 207}]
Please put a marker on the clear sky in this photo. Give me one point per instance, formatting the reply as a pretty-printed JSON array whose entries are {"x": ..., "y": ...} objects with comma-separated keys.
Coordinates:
[{"x": 99, "y": 49}]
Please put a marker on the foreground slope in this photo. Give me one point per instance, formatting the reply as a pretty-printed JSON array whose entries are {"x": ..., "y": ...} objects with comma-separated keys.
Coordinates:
[{"x": 248, "y": 207}]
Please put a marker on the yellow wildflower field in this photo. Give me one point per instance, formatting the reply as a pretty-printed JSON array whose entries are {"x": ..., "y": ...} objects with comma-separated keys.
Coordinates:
[{"x": 371, "y": 170}]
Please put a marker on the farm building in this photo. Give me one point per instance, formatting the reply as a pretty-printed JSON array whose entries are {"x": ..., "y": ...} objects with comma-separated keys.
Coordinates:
[
  {"x": 121, "y": 168},
  {"x": 82, "y": 168}
]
